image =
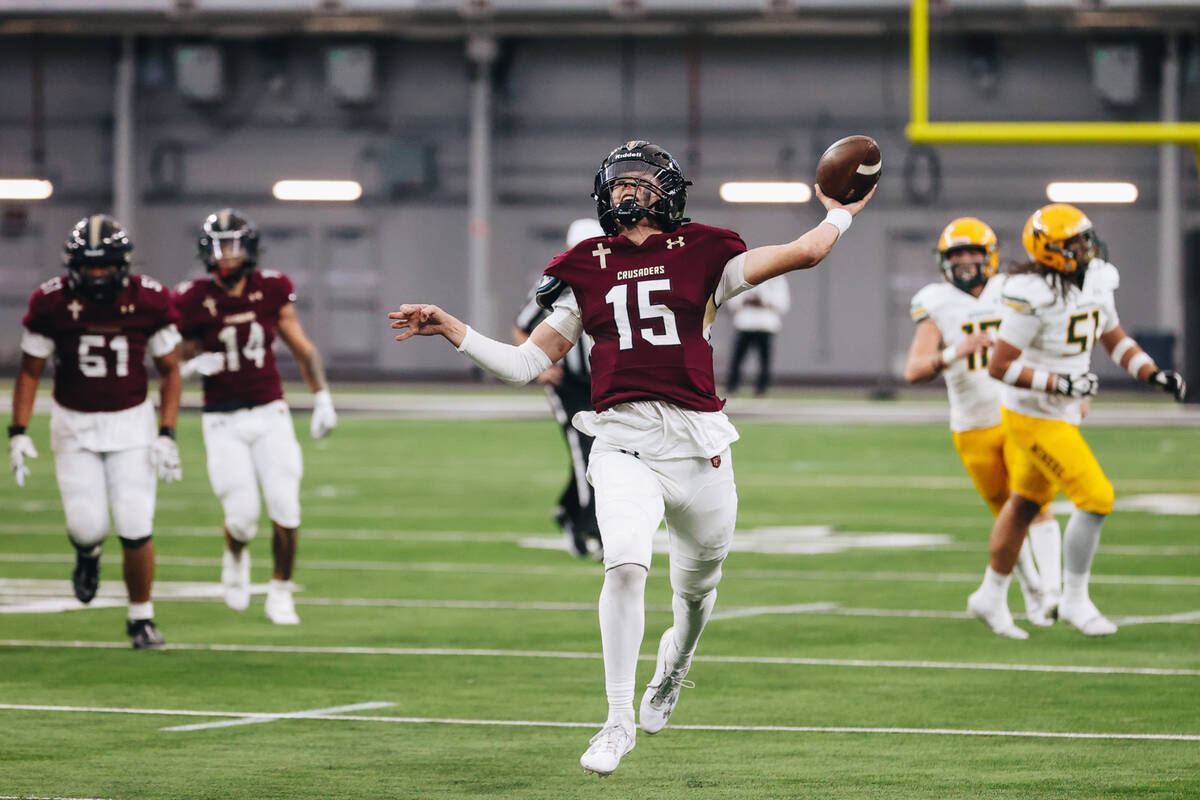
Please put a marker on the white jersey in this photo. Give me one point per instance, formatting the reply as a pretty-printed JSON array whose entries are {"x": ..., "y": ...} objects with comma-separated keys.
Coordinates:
[
  {"x": 974, "y": 395},
  {"x": 1057, "y": 334}
]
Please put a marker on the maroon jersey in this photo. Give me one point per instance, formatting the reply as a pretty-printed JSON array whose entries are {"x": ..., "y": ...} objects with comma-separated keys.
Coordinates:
[
  {"x": 647, "y": 308},
  {"x": 243, "y": 329},
  {"x": 100, "y": 348}
]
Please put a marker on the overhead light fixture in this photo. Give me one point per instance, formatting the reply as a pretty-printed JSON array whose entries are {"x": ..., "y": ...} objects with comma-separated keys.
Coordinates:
[
  {"x": 1091, "y": 192},
  {"x": 765, "y": 192},
  {"x": 327, "y": 191},
  {"x": 25, "y": 189}
]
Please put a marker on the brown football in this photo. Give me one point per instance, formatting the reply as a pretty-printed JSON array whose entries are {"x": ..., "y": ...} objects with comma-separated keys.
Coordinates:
[{"x": 849, "y": 168}]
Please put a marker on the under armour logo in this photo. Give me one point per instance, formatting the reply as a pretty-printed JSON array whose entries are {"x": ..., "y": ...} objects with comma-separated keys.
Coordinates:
[
  {"x": 255, "y": 297},
  {"x": 211, "y": 305},
  {"x": 601, "y": 251},
  {"x": 74, "y": 307},
  {"x": 676, "y": 242},
  {"x": 128, "y": 309}
]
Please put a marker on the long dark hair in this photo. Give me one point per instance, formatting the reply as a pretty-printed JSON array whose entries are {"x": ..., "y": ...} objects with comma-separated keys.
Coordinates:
[{"x": 1059, "y": 281}]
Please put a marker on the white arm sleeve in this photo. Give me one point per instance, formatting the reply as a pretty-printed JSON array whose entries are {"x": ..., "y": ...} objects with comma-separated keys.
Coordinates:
[
  {"x": 515, "y": 365},
  {"x": 164, "y": 340},
  {"x": 36, "y": 345},
  {"x": 565, "y": 317},
  {"x": 733, "y": 280}
]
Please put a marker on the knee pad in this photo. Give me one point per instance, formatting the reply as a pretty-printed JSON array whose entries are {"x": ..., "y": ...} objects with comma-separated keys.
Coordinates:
[
  {"x": 86, "y": 531},
  {"x": 694, "y": 580},
  {"x": 244, "y": 529},
  {"x": 134, "y": 544}
]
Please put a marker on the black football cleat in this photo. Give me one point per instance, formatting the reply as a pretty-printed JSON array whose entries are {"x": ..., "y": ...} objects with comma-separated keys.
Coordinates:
[
  {"x": 86, "y": 577},
  {"x": 143, "y": 635}
]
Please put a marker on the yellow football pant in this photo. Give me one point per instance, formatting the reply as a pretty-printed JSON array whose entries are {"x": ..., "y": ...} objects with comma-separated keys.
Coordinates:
[
  {"x": 983, "y": 454},
  {"x": 1046, "y": 455}
]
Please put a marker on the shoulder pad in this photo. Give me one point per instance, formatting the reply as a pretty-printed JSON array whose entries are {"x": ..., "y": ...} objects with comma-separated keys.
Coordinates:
[
  {"x": 150, "y": 284},
  {"x": 548, "y": 291},
  {"x": 1105, "y": 275},
  {"x": 52, "y": 285},
  {"x": 926, "y": 301},
  {"x": 1025, "y": 293}
]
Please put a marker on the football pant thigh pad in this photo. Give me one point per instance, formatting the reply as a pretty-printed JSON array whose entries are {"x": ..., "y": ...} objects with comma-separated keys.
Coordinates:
[{"x": 81, "y": 482}]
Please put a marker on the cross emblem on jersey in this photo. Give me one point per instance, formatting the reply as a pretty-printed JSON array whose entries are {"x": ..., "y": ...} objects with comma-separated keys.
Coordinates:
[
  {"x": 255, "y": 297},
  {"x": 127, "y": 309},
  {"x": 74, "y": 307},
  {"x": 211, "y": 305},
  {"x": 676, "y": 242},
  {"x": 601, "y": 251}
]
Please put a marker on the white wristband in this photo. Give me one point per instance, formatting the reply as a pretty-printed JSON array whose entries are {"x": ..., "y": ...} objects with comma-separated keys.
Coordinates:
[
  {"x": 1040, "y": 377},
  {"x": 839, "y": 218},
  {"x": 1121, "y": 348},
  {"x": 1137, "y": 362},
  {"x": 950, "y": 355},
  {"x": 1013, "y": 373}
]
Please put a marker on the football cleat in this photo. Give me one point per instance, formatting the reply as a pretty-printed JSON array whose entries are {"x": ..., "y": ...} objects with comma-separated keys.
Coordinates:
[
  {"x": 1040, "y": 607},
  {"x": 86, "y": 576},
  {"x": 606, "y": 749},
  {"x": 997, "y": 617},
  {"x": 1085, "y": 617},
  {"x": 662, "y": 693},
  {"x": 235, "y": 579},
  {"x": 281, "y": 609},
  {"x": 143, "y": 635}
]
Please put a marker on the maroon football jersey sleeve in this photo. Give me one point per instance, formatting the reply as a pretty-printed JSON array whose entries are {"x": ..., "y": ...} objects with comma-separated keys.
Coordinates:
[
  {"x": 242, "y": 328},
  {"x": 647, "y": 308},
  {"x": 100, "y": 349}
]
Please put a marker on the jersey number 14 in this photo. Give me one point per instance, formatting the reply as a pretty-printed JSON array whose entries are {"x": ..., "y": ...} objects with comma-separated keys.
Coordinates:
[{"x": 254, "y": 351}]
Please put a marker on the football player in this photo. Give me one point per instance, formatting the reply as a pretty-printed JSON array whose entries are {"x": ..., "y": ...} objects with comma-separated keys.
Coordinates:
[
  {"x": 955, "y": 320},
  {"x": 569, "y": 390},
  {"x": 1056, "y": 308},
  {"x": 646, "y": 294},
  {"x": 98, "y": 322},
  {"x": 229, "y": 321}
]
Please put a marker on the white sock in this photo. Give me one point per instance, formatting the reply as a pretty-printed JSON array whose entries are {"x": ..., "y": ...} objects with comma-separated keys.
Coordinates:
[
  {"x": 690, "y": 618},
  {"x": 622, "y": 625},
  {"x": 1026, "y": 572},
  {"x": 139, "y": 611},
  {"x": 1045, "y": 539},
  {"x": 1080, "y": 541},
  {"x": 995, "y": 586},
  {"x": 277, "y": 585}
]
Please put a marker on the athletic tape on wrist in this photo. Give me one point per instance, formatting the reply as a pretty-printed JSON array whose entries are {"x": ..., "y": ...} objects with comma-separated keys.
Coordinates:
[
  {"x": 950, "y": 355},
  {"x": 839, "y": 218},
  {"x": 1137, "y": 362},
  {"x": 1012, "y": 373},
  {"x": 1040, "y": 377},
  {"x": 1121, "y": 349}
]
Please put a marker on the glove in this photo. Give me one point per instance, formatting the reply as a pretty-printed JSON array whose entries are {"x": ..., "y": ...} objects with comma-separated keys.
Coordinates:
[
  {"x": 203, "y": 364},
  {"x": 164, "y": 455},
  {"x": 324, "y": 418},
  {"x": 20, "y": 447},
  {"x": 1170, "y": 382},
  {"x": 1083, "y": 385}
]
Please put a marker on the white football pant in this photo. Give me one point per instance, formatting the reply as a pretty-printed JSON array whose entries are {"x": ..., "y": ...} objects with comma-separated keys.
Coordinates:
[
  {"x": 92, "y": 484},
  {"x": 697, "y": 499},
  {"x": 251, "y": 448}
]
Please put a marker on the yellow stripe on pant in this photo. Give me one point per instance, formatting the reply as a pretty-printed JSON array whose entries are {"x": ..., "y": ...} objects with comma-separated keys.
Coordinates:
[{"x": 1046, "y": 455}]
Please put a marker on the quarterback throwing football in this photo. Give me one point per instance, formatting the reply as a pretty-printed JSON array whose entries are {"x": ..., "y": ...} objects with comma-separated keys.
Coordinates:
[
  {"x": 98, "y": 322},
  {"x": 646, "y": 293},
  {"x": 229, "y": 321}
]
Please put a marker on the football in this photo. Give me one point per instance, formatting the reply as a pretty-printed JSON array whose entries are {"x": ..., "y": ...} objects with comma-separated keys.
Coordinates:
[{"x": 849, "y": 168}]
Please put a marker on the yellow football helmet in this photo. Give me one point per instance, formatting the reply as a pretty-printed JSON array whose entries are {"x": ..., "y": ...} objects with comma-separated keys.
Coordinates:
[
  {"x": 968, "y": 232},
  {"x": 1060, "y": 236}
]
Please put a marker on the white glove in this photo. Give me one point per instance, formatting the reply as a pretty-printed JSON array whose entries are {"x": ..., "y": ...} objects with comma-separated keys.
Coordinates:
[
  {"x": 1083, "y": 385},
  {"x": 20, "y": 447},
  {"x": 324, "y": 418},
  {"x": 164, "y": 455},
  {"x": 204, "y": 364}
]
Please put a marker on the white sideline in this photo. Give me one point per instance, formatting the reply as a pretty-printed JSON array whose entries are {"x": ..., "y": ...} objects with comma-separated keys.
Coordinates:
[
  {"x": 525, "y": 723},
  {"x": 316, "y": 712},
  {"x": 486, "y": 653}
]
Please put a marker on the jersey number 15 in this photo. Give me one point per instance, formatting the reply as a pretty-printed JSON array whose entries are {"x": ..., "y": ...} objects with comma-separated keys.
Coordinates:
[{"x": 618, "y": 298}]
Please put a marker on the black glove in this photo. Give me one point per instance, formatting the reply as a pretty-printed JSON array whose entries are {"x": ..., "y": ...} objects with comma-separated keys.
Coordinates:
[
  {"x": 1083, "y": 385},
  {"x": 1170, "y": 382}
]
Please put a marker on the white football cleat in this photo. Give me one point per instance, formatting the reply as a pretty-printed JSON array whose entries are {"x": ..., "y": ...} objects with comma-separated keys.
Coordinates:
[
  {"x": 607, "y": 747},
  {"x": 662, "y": 693},
  {"x": 1040, "y": 608},
  {"x": 280, "y": 607},
  {"x": 997, "y": 617},
  {"x": 1084, "y": 616},
  {"x": 235, "y": 579}
]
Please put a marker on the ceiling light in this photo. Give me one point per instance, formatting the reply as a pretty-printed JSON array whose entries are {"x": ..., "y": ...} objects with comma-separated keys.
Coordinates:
[
  {"x": 328, "y": 191},
  {"x": 765, "y": 192},
  {"x": 1091, "y": 192},
  {"x": 25, "y": 189}
]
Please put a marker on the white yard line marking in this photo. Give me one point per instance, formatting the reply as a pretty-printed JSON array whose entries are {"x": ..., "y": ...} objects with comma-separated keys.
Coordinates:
[
  {"x": 316, "y": 712},
  {"x": 554, "y": 654},
  {"x": 525, "y": 723},
  {"x": 34, "y": 797},
  {"x": 755, "y": 611}
]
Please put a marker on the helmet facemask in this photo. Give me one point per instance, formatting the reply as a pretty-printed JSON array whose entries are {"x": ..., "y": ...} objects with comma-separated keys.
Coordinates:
[
  {"x": 97, "y": 242},
  {"x": 228, "y": 246},
  {"x": 969, "y": 270},
  {"x": 101, "y": 288}
]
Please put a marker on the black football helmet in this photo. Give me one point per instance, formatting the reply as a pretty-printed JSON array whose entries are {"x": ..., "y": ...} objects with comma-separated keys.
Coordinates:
[
  {"x": 97, "y": 241},
  {"x": 228, "y": 233},
  {"x": 654, "y": 169}
]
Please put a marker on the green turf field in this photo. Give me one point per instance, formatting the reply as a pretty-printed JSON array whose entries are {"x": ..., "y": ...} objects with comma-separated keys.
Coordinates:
[{"x": 460, "y": 664}]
